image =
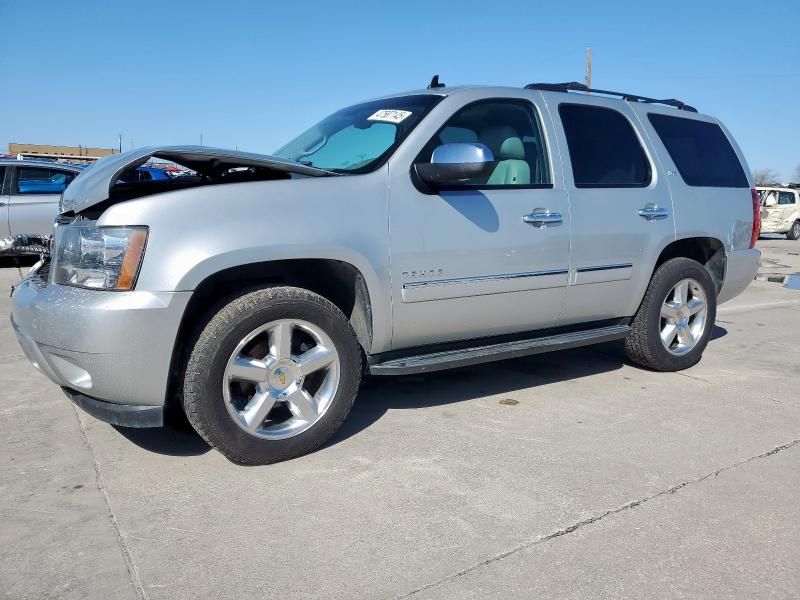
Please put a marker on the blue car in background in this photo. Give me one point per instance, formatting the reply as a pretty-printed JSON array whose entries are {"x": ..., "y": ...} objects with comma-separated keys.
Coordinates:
[
  {"x": 144, "y": 174},
  {"x": 51, "y": 182}
]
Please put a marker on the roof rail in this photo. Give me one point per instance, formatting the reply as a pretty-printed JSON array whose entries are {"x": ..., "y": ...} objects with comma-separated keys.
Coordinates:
[{"x": 579, "y": 87}]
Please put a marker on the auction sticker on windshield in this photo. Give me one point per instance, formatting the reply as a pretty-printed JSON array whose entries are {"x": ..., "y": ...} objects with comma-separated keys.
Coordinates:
[{"x": 390, "y": 115}]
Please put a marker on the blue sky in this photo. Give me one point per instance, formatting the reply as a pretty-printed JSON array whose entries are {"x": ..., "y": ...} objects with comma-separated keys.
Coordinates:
[{"x": 254, "y": 74}]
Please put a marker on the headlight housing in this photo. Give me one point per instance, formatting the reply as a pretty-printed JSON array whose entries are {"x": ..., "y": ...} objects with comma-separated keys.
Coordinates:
[{"x": 102, "y": 258}]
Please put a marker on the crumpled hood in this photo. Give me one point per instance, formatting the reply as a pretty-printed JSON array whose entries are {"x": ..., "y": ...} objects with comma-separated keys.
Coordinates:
[{"x": 94, "y": 184}]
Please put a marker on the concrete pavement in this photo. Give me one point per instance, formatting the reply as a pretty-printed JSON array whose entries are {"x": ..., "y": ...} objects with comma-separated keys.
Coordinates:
[{"x": 603, "y": 480}]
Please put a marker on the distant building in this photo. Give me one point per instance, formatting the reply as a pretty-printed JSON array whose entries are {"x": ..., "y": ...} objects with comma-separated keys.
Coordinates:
[{"x": 75, "y": 154}]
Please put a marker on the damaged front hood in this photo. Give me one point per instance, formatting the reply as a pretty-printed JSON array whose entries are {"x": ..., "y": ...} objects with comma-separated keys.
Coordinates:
[{"x": 94, "y": 184}]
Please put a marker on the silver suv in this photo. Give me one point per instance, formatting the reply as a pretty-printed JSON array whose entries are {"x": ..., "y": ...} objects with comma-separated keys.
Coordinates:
[{"x": 434, "y": 229}]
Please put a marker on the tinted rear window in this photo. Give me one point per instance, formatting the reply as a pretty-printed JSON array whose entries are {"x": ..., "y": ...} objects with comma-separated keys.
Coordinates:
[
  {"x": 701, "y": 152},
  {"x": 603, "y": 148}
]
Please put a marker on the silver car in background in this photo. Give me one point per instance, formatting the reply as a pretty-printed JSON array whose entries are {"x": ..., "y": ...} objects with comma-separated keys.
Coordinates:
[{"x": 30, "y": 191}]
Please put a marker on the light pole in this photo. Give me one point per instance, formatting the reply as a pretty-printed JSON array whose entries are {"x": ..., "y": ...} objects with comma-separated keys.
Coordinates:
[{"x": 588, "y": 70}]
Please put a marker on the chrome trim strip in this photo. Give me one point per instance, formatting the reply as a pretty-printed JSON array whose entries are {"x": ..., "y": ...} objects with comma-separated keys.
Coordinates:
[
  {"x": 604, "y": 267},
  {"x": 480, "y": 278}
]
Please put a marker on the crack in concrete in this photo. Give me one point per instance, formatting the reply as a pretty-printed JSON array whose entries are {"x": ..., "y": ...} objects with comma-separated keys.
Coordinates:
[
  {"x": 133, "y": 571},
  {"x": 594, "y": 519},
  {"x": 729, "y": 387}
]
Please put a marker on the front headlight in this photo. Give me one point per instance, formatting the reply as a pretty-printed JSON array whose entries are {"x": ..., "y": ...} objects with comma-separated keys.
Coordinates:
[{"x": 103, "y": 258}]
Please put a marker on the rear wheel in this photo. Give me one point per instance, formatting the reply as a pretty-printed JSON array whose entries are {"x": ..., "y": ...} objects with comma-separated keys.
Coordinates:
[
  {"x": 674, "y": 322},
  {"x": 272, "y": 375},
  {"x": 794, "y": 232}
]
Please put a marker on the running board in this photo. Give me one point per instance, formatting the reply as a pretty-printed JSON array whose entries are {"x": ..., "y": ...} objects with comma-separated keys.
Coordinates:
[{"x": 447, "y": 359}]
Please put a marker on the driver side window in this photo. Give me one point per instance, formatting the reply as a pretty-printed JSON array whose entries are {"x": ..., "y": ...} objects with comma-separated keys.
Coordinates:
[{"x": 511, "y": 130}]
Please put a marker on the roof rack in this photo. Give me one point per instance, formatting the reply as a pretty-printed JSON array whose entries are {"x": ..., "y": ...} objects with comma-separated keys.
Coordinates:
[{"x": 579, "y": 87}]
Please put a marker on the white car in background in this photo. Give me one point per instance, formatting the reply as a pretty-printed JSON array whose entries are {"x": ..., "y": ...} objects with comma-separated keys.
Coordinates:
[{"x": 780, "y": 211}]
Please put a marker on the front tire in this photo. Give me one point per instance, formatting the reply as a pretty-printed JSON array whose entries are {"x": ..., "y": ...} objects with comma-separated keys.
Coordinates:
[
  {"x": 794, "y": 232},
  {"x": 272, "y": 375},
  {"x": 674, "y": 322}
]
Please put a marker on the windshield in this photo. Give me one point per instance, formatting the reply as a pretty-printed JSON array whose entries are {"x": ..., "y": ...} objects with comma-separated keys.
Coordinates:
[{"x": 360, "y": 138}]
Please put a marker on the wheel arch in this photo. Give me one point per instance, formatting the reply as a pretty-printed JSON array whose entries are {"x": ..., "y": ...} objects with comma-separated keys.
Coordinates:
[
  {"x": 341, "y": 282},
  {"x": 708, "y": 251}
]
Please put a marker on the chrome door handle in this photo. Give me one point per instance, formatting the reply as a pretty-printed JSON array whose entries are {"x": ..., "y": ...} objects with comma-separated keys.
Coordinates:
[
  {"x": 2, "y": 204},
  {"x": 542, "y": 218},
  {"x": 652, "y": 212}
]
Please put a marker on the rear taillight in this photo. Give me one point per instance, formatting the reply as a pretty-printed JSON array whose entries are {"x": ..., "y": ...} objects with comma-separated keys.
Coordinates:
[{"x": 756, "y": 217}]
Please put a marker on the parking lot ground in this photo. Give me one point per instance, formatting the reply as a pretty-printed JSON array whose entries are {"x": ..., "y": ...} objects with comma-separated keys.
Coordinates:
[{"x": 569, "y": 475}]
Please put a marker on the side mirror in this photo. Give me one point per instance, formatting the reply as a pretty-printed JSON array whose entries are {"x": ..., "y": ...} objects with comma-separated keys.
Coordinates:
[{"x": 456, "y": 162}]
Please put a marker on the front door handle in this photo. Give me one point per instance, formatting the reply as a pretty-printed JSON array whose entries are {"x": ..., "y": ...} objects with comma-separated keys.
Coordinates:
[
  {"x": 652, "y": 212},
  {"x": 542, "y": 218}
]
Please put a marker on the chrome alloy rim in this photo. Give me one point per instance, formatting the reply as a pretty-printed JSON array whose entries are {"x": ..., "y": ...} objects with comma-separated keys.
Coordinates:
[
  {"x": 683, "y": 317},
  {"x": 796, "y": 229},
  {"x": 281, "y": 379}
]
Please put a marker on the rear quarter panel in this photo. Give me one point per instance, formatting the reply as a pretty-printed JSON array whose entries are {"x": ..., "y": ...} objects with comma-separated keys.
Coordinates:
[{"x": 722, "y": 213}]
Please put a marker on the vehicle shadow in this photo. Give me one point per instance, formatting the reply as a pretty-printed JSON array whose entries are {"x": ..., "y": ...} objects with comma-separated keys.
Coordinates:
[
  {"x": 381, "y": 394},
  {"x": 717, "y": 333},
  {"x": 21, "y": 262},
  {"x": 378, "y": 395},
  {"x": 170, "y": 440}
]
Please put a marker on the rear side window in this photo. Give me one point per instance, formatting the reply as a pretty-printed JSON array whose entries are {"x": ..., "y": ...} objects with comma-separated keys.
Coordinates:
[
  {"x": 701, "y": 152},
  {"x": 785, "y": 198},
  {"x": 35, "y": 180},
  {"x": 603, "y": 148}
]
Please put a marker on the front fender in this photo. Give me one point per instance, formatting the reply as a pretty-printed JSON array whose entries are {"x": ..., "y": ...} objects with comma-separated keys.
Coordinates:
[{"x": 198, "y": 232}]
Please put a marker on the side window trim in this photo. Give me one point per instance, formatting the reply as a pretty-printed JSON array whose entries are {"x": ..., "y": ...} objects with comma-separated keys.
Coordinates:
[
  {"x": 536, "y": 122},
  {"x": 648, "y": 159}
]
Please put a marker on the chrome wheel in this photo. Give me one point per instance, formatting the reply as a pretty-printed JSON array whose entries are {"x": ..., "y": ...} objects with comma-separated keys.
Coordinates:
[
  {"x": 683, "y": 317},
  {"x": 281, "y": 379},
  {"x": 796, "y": 230}
]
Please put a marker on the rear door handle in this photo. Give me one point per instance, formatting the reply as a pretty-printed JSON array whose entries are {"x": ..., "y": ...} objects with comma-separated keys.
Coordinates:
[
  {"x": 542, "y": 218},
  {"x": 652, "y": 212}
]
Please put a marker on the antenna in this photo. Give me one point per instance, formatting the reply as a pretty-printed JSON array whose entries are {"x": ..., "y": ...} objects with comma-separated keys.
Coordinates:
[{"x": 435, "y": 83}]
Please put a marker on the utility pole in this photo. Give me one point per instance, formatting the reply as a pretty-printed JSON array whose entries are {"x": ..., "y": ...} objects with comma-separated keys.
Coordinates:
[
  {"x": 588, "y": 70},
  {"x": 201, "y": 138},
  {"x": 120, "y": 143}
]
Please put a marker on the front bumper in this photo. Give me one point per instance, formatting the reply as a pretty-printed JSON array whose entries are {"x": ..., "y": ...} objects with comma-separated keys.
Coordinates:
[
  {"x": 741, "y": 267},
  {"x": 114, "y": 347}
]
